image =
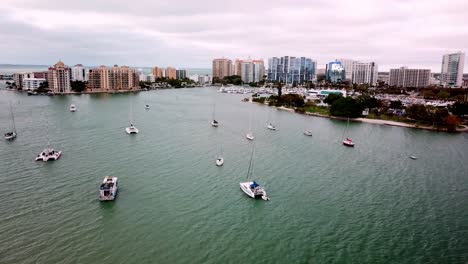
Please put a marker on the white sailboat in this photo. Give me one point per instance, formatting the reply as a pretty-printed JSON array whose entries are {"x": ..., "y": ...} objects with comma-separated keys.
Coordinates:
[
  {"x": 251, "y": 187},
  {"x": 347, "y": 141},
  {"x": 48, "y": 153},
  {"x": 131, "y": 129},
  {"x": 270, "y": 125},
  {"x": 214, "y": 123},
  {"x": 72, "y": 108},
  {"x": 147, "y": 106},
  {"x": 11, "y": 135},
  {"x": 308, "y": 132},
  {"x": 220, "y": 159}
]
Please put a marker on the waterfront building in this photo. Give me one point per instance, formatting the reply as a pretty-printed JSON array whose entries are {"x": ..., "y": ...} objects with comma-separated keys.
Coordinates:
[
  {"x": 32, "y": 83},
  {"x": 59, "y": 77},
  {"x": 452, "y": 69},
  {"x": 113, "y": 78},
  {"x": 79, "y": 73},
  {"x": 237, "y": 67},
  {"x": 365, "y": 73},
  {"x": 18, "y": 78},
  {"x": 170, "y": 73},
  {"x": 291, "y": 70},
  {"x": 193, "y": 77},
  {"x": 40, "y": 75},
  {"x": 335, "y": 72},
  {"x": 157, "y": 72},
  {"x": 405, "y": 78},
  {"x": 147, "y": 78},
  {"x": 222, "y": 68},
  {"x": 348, "y": 67},
  {"x": 181, "y": 74}
]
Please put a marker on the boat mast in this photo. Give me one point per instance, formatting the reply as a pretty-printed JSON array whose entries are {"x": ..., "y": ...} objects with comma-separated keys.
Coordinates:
[
  {"x": 214, "y": 107},
  {"x": 344, "y": 132},
  {"x": 249, "y": 170},
  {"x": 12, "y": 118},
  {"x": 47, "y": 134}
]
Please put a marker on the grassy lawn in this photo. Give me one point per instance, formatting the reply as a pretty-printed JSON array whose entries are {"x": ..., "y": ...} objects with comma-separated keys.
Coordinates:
[{"x": 317, "y": 109}]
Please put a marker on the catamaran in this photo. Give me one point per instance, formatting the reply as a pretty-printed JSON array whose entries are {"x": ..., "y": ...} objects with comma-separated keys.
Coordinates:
[
  {"x": 131, "y": 129},
  {"x": 48, "y": 153},
  {"x": 11, "y": 135},
  {"x": 347, "y": 141},
  {"x": 108, "y": 189},
  {"x": 251, "y": 187},
  {"x": 72, "y": 108}
]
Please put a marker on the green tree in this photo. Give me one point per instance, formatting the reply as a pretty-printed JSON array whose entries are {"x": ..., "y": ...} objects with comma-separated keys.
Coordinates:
[
  {"x": 418, "y": 112},
  {"x": 443, "y": 95},
  {"x": 346, "y": 107},
  {"x": 78, "y": 86},
  {"x": 396, "y": 104},
  {"x": 332, "y": 98},
  {"x": 367, "y": 101},
  {"x": 459, "y": 108}
]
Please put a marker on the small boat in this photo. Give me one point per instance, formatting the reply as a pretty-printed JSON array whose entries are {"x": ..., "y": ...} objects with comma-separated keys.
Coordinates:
[
  {"x": 308, "y": 133},
  {"x": 271, "y": 126},
  {"x": 48, "y": 154},
  {"x": 214, "y": 123},
  {"x": 11, "y": 135},
  {"x": 249, "y": 136},
  {"x": 348, "y": 142},
  {"x": 108, "y": 189},
  {"x": 413, "y": 157},
  {"x": 219, "y": 161},
  {"x": 250, "y": 187},
  {"x": 131, "y": 129},
  {"x": 147, "y": 107},
  {"x": 72, "y": 108}
]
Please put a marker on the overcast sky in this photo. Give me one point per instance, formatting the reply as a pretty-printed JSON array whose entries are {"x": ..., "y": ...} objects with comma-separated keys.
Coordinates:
[{"x": 393, "y": 33}]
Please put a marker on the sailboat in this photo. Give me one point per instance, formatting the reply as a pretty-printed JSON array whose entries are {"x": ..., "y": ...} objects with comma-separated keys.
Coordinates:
[
  {"x": 131, "y": 129},
  {"x": 48, "y": 153},
  {"x": 214, "y": 123},
  {"x": 72, "y": 108},
  {"x": 308, "y": 132},
  {"x": 250, "y": 135},
  {"x": 251, "y": 187},
  {"x": 269, "y": 123},
  {"x": 219, "y": 158},
  {"x": 11, "y": 135},
  {"x": 347, "y": 141}
]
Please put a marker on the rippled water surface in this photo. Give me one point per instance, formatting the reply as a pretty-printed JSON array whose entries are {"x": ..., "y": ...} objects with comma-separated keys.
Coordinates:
[{"x": 329, "y": 203}]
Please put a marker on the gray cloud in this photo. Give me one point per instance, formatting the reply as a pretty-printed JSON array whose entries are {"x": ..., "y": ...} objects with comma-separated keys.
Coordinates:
[{"x": 414, "y": 33}]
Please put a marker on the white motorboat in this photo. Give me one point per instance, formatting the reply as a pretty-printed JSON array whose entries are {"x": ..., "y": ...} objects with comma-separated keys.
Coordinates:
[
  {"x": 271, "y": 126},
  {"x": 252, "y": 189},
  {"x": 219, "y": 161},
  {"x": 131, "y": 129},
  {"x": 11, "y": 135},
  {"x": 108, "y": 189},
  {"x": 72, "y": 108},
  {"x": 48, "y": 154},
  {"x": 308, "y": 133},
  {"x": 147, "y": 107},
  {"x": 413, "y": 157},
  {"x": 249, "y": 136}
]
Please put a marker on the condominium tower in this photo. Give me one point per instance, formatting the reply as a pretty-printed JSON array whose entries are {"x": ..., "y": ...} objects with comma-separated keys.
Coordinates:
[
  {"x": 112, "y": 78},
  {"x": 59, "y": 78},
  {"x": 365, "y": 73},
  {"x": 404, "y": 77},
  {"x": 171, "y": 73},
  {"x": 291, "y": 70},
  {"x": 451, "y": 74},
  {"x": 222, "y": 68}
]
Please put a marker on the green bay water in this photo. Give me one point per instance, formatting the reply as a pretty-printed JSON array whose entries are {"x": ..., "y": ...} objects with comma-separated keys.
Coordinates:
[{"x": 329, "y": 203}]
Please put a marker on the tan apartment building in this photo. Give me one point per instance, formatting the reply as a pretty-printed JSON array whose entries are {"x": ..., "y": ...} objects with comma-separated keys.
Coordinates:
[
  {"x": 171, "y": 73},
  {"x": 222, "y": 68},
  {"x": 157, "y": 72},
  {"x": 108, "y": 79},
  {"x": 59, "y": 77}
]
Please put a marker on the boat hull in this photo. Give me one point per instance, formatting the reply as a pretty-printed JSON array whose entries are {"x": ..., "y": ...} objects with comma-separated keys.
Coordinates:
[
  {"x": 245, "y": 187},
  {"x": 11, "y": 136},
  {"x": 45, "y": 158},
  {"x": 249, "y": 136},
  {"x": 130, "y": 130},
  {"x": 348, "y": 144},
  {"x": 219, "y": 162}
]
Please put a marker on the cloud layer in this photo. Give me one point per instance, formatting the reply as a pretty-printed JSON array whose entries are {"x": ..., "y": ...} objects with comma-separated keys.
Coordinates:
[{"x": 393, "y": 33}]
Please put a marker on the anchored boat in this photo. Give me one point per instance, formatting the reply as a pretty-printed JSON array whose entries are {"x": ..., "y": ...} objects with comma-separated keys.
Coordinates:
[{"x": 108, "y": 189}]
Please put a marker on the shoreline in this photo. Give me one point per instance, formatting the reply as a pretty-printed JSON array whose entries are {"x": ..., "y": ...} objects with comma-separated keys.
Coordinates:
[{"x": 373, "y": 121}]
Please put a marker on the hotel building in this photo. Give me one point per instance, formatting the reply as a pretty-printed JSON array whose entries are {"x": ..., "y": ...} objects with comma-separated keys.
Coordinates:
[{"x": 59, "y": 78}]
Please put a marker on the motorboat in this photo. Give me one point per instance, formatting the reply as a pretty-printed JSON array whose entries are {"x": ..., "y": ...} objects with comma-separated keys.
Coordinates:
[
  {"x": 131, "y": 129},
  {"x": 10, "y": 135},
  {"x": 72, "y": 108},
  {"x": 219, "y": 161},
  {"x": 271, "y": 126},
  {"x": 48, "y": 154},
  {"x": 413, "y": 157},
  {"x": 249, "y": 136},
  {"x": 348, "y": 142},
  {"x": 254, "y": 190},
  {"x": 108, "y": 189},
  {"x": 147, "y": 107},
  {"x": 214, "y": 123},
  {"x": 308, "y": 133}
]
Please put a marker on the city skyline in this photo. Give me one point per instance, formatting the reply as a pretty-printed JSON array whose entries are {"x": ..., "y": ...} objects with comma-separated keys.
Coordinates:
[{"x": 415, "y": 34}]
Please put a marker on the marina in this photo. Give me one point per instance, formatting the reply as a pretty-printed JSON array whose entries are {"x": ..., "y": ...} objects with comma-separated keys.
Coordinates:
[{"x": 328, "y": 203}]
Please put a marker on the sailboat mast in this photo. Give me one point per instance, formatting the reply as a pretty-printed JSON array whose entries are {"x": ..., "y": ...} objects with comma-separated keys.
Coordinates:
[
  {"x": 346, "y": 129},
  {"x": 214, "y": 108},
  {"x": 249, "y": 170},
  {"x": 47, "y": 135},
  {"x": 12, "y": 118}
]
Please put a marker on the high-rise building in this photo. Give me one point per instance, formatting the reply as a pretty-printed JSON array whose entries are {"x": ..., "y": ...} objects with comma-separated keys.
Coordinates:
[
  {"x": 452, "y": 69},
  {"x": 222, "y": 68},
  {"x": 291, "y": 70},
  {"x": 59, "y": 77},
  {"x": 113, "y": 79},
  {"x": 335, "y": 72},
  {"x": 171, "y": 73},
  {"x": 157, "y": 72},
  {"x": 181, "y": 74},
  {"x": 414, "y": 78},
  {"x": 79, "y": 73},
  {"x": 348, "y": 67},
  {"x": 250, "y": 70},
  {"x": 237, "y": 67},
  {"x": 19, "y": 77},
  {"x": 365, "y": 73},
  {"x": 32, "y": 83}
]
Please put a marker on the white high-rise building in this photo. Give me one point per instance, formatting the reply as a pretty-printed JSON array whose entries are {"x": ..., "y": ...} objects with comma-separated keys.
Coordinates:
[
  {"x": 348, "y": 66},
  {"x": 79, "y": 73},
  {"x": 451, "y": 74},
  {"x": 365, "y": 73}
]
